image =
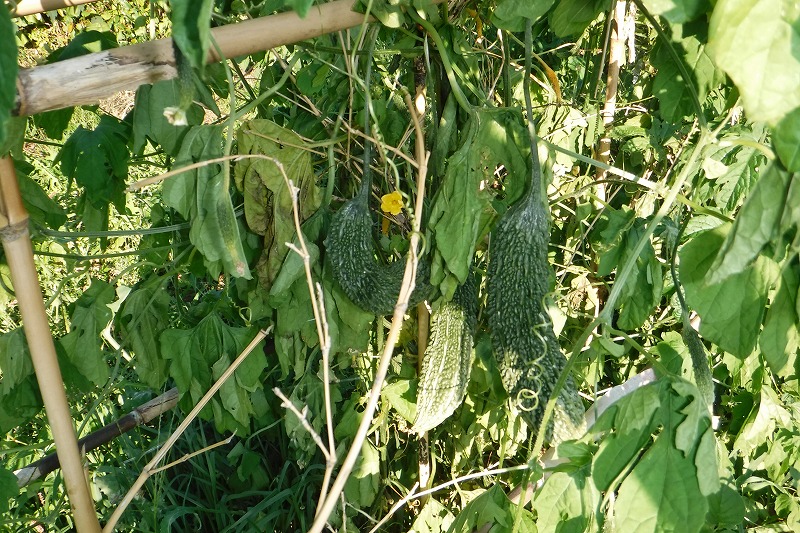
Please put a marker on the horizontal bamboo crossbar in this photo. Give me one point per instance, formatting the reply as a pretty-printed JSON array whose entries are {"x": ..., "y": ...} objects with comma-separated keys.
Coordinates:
[
  {"x": 89, "y": 78},
  {"x": 31, "y": 7}
]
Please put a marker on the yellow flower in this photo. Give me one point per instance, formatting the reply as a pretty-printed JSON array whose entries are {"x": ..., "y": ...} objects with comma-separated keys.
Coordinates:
[{"x": 392, "y": 203}]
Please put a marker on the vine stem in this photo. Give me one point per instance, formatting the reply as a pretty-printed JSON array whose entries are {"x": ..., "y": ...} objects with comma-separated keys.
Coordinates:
[{"x": 409, "y": 278}]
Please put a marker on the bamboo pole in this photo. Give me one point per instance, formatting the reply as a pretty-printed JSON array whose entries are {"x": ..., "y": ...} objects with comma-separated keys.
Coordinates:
[
  {"x": 615, "y": 60},
  {"x": 19, "y": 254},
  {"x": 87, "y": 79},
  {"x": 141, "y": 415},
  {"x": 31, "y": 7}
]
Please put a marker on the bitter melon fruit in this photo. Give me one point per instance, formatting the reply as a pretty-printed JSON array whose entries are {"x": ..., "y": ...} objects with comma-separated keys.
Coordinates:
[
  {"x": 528, "y": 355},
  {"x": 448, "y": 358},
  {"x": 372, "y": 285}
]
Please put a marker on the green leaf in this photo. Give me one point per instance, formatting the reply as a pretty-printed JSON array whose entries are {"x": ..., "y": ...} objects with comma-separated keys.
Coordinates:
[
  {"x": 203, "y": 197},
  {"x": 433, "y": 518},
  {"x": 733, "y": 168},
  {"x": 390, "y": 13},
  {"x": 731, "y": 311},
  {"x": 511, "y": 14},
  {"x": 198, "y": 356},
  {"x": 98, "y": 161},
  {"x": 41, "y": 208},
  {"x": 300, "y": 7},
  {"x": 461, "y": 205},
  {"x": 661, "y": 493},
  {"x": 571, "y": 17},
  {"x": 144, "y": 315},
  {"x": 615, "y": 240},
  {"x": 786, "y": 139},
  {"x": 150, "y": 123},
  {"x": 762, "y": 421},
  {"x": 8, "y": 71},
  {"x": 15, "y": 137},
  {"x": 491, "y": 507},
  {"x": 726, "y": 507},
  {"x": 191, "y": 29},
  {"x": 235, "y": 399},
  {"x": 634, "y": 417},
  {"x": 695, "y": 437},
  {"x": 9, "y": 487},
  {"x": 87, "y": 42},
  {"x": 677, "y": 11},
  {"x": 752, "y": 41},
  {"x": 781, "y": 338},
  {"x": 402, "y": 395},
  {"x": 567, "y": 503},
  {"x": 362, "y": 485},
  {"x": 15, "y": 360},
  {"x": 672, "y": 91},
  {"x": 755, "y": 226},
  {"x": 267, "y": 200},
  {"x": 83, "y": 344},
  {"x": 20, "y": 405}
]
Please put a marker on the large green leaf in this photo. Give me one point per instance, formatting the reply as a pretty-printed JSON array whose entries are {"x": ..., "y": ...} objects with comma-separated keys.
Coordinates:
[
  {"x": 98, "y": 161},
  {"x": 754, "y": 42},
  {"x": 677, "y": 11},
  {"x": 203, "y": 197},
  {"x": 661, "y": 493},
  {"x": 149, "y": 121},
  {"x": 731, "y": 310},
  {"x": 567, "y": 503},
  {"x": 362, "y": 485},
  {"x": 8, "y": 70},
  {"x": 20, "y": 405},
  {"x": 786, "y": 138},
  {"x": 755, "y": 226},
  {"x": 267, "y": 200},
  {"x": 781, "y": 338},
  {"x": 668, "y": 487},
  {"x": 200, "y": 355},
  {"x": 83, "y": 345},
  {"x": 15, "y": 360},
  {"x": 571, "y": 17},
  {"x": 491, "y": 508},
  {"x": 493, "y": 138},
  {"x": 41, "y": 208},
  {"x": 9, "y": 486},
  {"x": 511, "y": 14},
  {"x": 191, "y": 29},
  {"x": 615, "y": 240},
  {"x": 673, "y": 92},
  {"x": 731, "y": 169},
  {"x": 144, "y": 315}
]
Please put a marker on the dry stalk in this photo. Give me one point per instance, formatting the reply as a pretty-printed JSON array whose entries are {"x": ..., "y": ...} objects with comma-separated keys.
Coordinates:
[{"x": 301, "y": 416}]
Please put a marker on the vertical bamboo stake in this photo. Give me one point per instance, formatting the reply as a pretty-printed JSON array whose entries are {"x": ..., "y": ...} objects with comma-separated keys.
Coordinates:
[
  {"x": 616, "y": 57},
  {"x": 19, "y": 253}
]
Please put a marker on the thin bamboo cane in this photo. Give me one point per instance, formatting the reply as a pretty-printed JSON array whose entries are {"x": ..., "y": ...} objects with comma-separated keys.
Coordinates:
[
  {"x": 19, "y": 254},
  {"x": 141, "y": 415},
  {"x": 31, "y": 7}
]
